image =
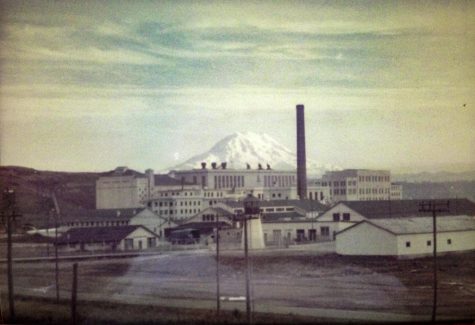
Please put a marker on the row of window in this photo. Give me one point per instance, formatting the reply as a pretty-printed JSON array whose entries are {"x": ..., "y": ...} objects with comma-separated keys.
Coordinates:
[
  {"x": 429, "y": 242},
  {"x": 182, "y": 211},
  {"x": 208, "y": 217},
  {"x": 343, "y": 183},
  {"x": 373, "y": 178},
  {"x": 211, "y": 194},
  {"x": 228, "y": 181},
  {"x": 162, "y": 194},
  {"x": 97, "y": 223},
  {"x": 374, "y": 191},
  {"x": 300, "y": 234},
  {"x": 175, "y": 203},
  {"x": 278, "y": 180},
  {"x": 314, "y": 196},
  {"x": 337, "y": 217}
]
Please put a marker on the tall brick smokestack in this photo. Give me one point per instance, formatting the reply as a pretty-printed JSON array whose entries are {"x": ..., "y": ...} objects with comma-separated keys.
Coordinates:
[{"x": 301, "y": 157}]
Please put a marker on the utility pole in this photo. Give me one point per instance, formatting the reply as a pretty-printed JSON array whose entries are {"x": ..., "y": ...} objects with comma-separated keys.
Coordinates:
[
  {"x": 248, "y": 273},
  {"x": 56, "y": 224},
  {"x": 9, "y": 214},
  {"x": 218, "y": 306},
  {"x": 434, "y": 207}
]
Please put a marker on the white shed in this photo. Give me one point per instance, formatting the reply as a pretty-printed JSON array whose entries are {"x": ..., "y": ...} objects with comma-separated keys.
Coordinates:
[{"x": 407, "y": 236}]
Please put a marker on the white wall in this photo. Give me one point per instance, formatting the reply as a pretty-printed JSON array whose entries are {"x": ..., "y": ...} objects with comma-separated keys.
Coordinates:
[
  {"x": 341, "y": 208},
  {"x": 366, "y": 239},
  {"x": 138, "y": 235},
  {"x": 460, "y": 241},
  {"x": 119, "y": 192}
]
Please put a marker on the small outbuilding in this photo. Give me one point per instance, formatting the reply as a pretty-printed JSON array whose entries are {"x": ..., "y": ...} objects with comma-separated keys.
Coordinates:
[{"x": 407, "y": 237}]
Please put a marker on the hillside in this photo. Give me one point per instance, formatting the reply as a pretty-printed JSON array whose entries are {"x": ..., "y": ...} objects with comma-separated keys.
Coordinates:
[{"x": 75, "y": 190}]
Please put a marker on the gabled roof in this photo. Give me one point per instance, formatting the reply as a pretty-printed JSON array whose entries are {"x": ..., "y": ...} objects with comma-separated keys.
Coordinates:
[
  {"x": 101, "y": 214},
  {"x": 307, "y": 205},
  {"x": 420, "y": 225},
  {"x": 406, "y": 208},
  {"x": 98, "y": 234},
  {"x": 203, "y": 227}
]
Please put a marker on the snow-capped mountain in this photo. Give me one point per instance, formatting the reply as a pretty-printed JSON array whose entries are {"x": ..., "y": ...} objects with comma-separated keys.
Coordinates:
[{"x": 239, "y": 149}]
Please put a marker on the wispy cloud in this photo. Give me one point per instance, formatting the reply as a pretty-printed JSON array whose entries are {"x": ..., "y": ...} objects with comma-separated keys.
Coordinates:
[{"x": 130, "y": 64}]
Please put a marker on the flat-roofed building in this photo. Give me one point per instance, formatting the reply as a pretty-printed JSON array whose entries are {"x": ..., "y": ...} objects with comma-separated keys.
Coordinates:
[{"x": 360, "y": 185}]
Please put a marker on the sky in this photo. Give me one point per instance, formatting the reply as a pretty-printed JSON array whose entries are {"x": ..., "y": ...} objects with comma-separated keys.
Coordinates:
[{"x": 91, "y": 85}]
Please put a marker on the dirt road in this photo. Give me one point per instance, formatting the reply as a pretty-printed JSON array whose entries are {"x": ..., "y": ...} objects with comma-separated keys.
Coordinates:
[{"x": 284, "y": 282}]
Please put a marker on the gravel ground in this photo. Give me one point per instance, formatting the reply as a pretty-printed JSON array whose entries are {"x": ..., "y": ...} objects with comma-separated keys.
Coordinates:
[{"x": 287, "y": 281}]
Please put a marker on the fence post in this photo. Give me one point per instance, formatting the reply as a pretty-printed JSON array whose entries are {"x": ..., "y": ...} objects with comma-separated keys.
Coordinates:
[{"x": 74, "y": 294}]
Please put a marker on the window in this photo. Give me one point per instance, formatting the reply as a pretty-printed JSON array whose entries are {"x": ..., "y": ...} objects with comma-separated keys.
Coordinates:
[
  {"x": 346, "y": 217},
  {"x": 449, "y": 241},
  {"x": 129, "y": 243},
  {"x": 408, "y": 244},
  {"x": 151, "y": 242},
  {"x": 429, "y": 243},
  {"x": 325, "y": 231},
  {"x": 336, "y": 217}
]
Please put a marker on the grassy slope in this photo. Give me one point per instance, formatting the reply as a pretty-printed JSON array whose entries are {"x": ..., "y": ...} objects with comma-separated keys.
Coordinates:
[{"x": 77, "y": 190}]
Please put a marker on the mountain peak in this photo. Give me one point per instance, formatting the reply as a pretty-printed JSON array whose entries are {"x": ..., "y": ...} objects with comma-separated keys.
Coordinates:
[{"x": 241, "y": 148}]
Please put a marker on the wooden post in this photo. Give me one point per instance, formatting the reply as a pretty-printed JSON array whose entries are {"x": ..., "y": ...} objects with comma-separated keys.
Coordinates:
[
  {"x": 11, "y": 301},
  {"x": 74, "y": 294},
  {"x": 218, "y": 306},
  {"x": 56, "y": 259},
  {"x": 434, "y": 257}
]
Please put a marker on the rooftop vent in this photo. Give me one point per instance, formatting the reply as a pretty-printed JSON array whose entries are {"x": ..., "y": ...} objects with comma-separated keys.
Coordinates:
[
  {"x": 203, "y": 165},
  {"x": 259, "y": 166},
  {"x": 213, "y": 165},
  {"x": 268, "y": 167},
  {"x": 248, "y": 166},
  {"x": 223, "y": 165}
]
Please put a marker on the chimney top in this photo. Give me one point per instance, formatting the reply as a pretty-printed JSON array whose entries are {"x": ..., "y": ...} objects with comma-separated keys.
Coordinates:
[{"x": 203, "y": 165}]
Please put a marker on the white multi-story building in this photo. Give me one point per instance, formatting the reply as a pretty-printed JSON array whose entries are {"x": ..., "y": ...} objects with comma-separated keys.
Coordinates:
[
  {"x": 360, "y": 185},
  {"x": 267, "y": 183},
  {"x": 123, "y": 188}
]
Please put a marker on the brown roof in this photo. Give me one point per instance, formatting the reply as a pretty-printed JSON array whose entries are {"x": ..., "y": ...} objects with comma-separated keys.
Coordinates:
[{"x": 98, "y": 234}]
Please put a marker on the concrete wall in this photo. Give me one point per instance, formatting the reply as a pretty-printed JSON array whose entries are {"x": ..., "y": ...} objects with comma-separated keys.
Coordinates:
[
  {"x": 255, "y": 237},
  {"x": 280, "y": 233},
  {"x": 459, "y": 241},
  {"x": 118, "y": 192},
  {"x": 366, "y": 239}
]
